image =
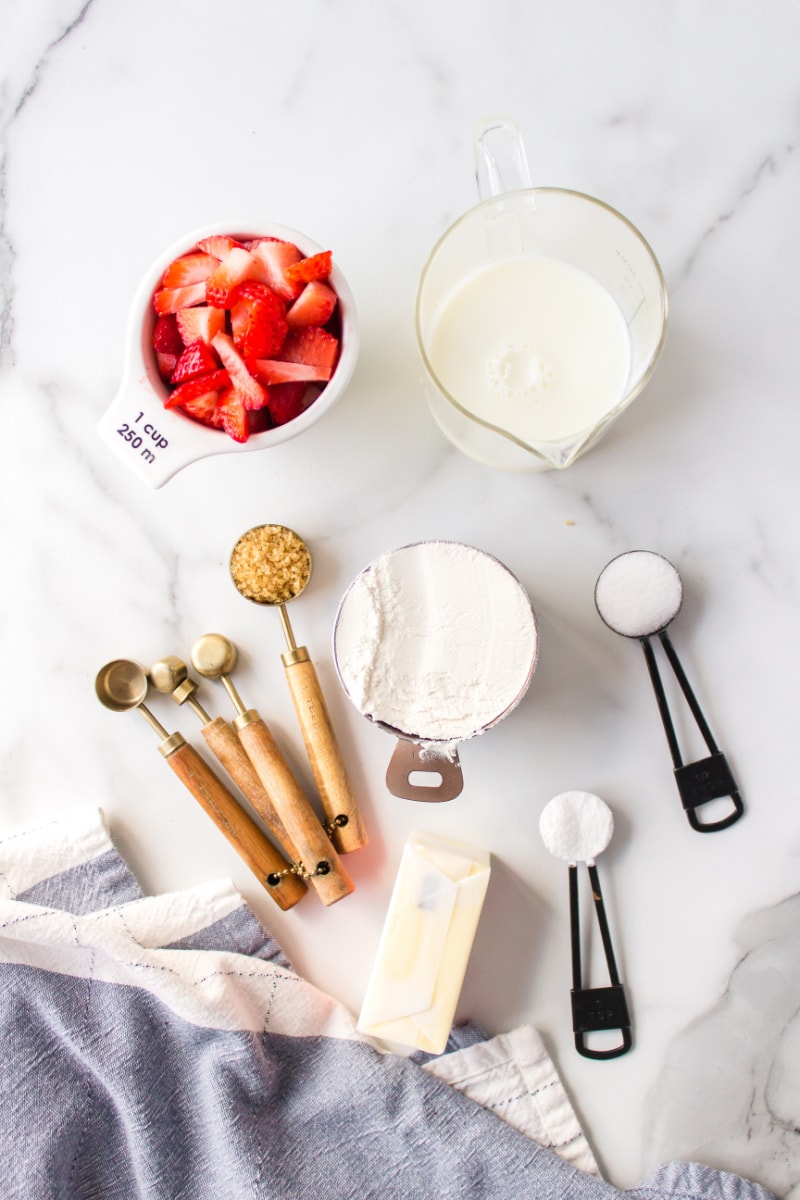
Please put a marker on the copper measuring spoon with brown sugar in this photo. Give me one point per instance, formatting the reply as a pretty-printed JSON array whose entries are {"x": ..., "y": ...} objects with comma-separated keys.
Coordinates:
[{"x": 271, "y": 565}]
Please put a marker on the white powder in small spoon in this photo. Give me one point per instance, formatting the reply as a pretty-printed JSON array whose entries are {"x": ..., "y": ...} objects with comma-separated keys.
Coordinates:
[
  {"x": 576, "y": 826},
  {"x": 638, "y": 593}
]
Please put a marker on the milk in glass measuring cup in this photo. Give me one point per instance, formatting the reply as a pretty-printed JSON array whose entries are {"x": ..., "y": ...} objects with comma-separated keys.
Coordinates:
[{"x": 540, "y": 316}]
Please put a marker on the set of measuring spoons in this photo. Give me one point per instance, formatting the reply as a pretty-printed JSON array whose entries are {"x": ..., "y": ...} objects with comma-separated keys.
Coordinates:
[{"x": 269, "y": 565}]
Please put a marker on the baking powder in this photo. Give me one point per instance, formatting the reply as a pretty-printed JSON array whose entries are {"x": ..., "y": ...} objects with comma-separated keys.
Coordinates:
[
  {"x": 436, "y": 640},
  {"x": 576, "y": 826}
]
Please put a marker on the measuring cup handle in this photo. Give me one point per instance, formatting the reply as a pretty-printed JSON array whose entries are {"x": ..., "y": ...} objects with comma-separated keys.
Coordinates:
[
  {"x": 408, "y": 759},
  {"x": 501, "y": 164}
]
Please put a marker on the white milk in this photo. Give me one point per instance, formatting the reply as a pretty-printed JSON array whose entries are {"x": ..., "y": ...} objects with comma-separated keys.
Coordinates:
[{"x": 533, "y": 345}]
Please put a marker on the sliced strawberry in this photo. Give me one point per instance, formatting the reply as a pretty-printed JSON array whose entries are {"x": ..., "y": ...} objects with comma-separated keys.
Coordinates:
[
  {"x": 258, "y": 320},
  {"x": 166, "y": 363},
  {"x": 205, "y": 408},
  {"x": 189, "y": 268},
  {"x": 166, "y": 335},
  {"x": 273, "y": 258},
  {"x": 286, "y": 401},
  {"x": 313, "y": 346},
  {"x": 169, "y": 300},
  {"x": 199, "y": 324},
  {"x": 273, "y": 370},
  {"x": 250, "y": 391},
  {"x": 218, "y": 245},
  {"x": 233, "y": 415},
  {"x": 314, "y": 305},
  {"x": 212, "y": 381},
  {"x": 237, "y": 265},
  {"x": 197, "y": 359},
  {"x": 316, "y": 266}
]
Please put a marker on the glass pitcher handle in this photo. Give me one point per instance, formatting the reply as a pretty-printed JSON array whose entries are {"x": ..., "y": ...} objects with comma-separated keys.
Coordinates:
[{"x": 500, "y": 161}]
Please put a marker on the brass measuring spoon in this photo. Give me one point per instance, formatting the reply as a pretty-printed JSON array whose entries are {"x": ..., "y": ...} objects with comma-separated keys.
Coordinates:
[
  {"x": 170, "y": 675},
  {"x": 271, "y": 565},
  {"x": 215, "y": 657},
  {"x": 122, "y": 685}
]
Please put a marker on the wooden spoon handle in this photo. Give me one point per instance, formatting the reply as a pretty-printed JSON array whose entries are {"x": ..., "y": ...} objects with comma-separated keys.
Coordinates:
[
  {"x": 223, "y": 741},
  {"x": 253, "y": 846},
  {"x": 338, "y": 803},
  {"x": 295, "y": 811}
]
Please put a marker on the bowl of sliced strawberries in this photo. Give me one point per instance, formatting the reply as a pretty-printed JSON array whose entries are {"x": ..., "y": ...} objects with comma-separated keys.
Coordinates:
[{"x": 241, "y": 336}]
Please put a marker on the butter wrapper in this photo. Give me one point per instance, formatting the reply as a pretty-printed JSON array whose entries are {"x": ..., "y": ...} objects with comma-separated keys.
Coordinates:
[{"x": 425, "y": 944}]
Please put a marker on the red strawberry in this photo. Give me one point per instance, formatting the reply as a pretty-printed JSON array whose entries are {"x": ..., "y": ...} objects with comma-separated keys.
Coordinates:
[
  {"x": 273, "y": 370},
  {"x": 316, "y": 266},
  {"x": 313, "y": 346},
  {"x": 273, "y": 258},
  {"x": 233, "y": 415},
  {"x": 249, "y": 390},
  {"x": 258, "y": 320},
  {"x": 236, "y": 266},
  {"x": 286, "y": 401},
  {"x": 218, "y": 245},
  {"x": 166, "y": 364},
  {"x": 205, "y": 408},
  {"x": 314, "y": 305},
  {"x": 169, "y": 300},
  {"x": 166, "y": 336},
  {"x": 199, "y": 324},
  {"x": 196, "y": 359},
  {"x": 259, "y": 420},
  {"x": 212, "y": 381},
  {"x": 190, "y": 268}
]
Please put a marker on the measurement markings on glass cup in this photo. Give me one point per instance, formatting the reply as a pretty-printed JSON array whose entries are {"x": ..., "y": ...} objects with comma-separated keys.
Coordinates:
[{"x": 136, "y": 439}]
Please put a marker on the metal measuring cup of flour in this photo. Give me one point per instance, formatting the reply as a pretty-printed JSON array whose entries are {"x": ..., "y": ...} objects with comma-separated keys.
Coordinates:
[
  {"x": 434, "y": 642},
  {"x": 155, "y": 442},
  {"x": 540, "y": 316}
]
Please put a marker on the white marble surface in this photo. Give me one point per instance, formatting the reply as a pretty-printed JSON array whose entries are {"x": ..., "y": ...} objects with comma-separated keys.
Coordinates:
[{"x": 125, "y": 126}]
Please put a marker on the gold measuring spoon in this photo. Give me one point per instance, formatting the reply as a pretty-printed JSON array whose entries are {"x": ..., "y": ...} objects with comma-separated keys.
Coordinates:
[
  {"x": 122, "y": 685},
  {"x": 214, "y": 657},
  {"x": 271, "y": 565},
  {"x": 170, "y": 675}
]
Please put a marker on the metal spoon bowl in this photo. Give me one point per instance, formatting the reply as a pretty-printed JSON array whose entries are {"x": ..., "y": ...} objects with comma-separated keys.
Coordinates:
[{"x": 121, "y": 685}]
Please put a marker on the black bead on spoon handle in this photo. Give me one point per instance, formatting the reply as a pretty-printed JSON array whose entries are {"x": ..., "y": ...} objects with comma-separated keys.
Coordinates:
[{"x": 637, "y": 595}]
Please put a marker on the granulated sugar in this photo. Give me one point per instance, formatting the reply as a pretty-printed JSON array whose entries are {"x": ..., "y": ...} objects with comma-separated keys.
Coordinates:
[
  {"x": 576, "y": 826},
  {"x": 435, "y": 640},
  {"x": 638, "y": 593}
]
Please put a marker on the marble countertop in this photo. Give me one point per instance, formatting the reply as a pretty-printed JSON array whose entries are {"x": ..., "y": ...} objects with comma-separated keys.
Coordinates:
[{"x": 125, "y": 127}]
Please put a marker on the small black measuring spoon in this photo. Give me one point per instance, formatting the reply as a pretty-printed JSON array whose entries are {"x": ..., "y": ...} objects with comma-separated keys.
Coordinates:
[
  {"x": 637, "y": 595},
  {"x": 576, "y": 827}
]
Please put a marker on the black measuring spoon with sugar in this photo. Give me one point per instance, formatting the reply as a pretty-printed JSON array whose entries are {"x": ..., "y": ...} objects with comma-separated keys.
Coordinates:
[{"x": 637, "y": 595}]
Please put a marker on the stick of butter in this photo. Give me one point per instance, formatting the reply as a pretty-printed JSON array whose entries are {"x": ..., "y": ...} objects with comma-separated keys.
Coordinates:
[{"x": 425, "y": 944}]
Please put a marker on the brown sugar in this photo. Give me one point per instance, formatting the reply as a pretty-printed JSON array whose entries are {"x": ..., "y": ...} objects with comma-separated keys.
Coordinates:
[{"x": 270, "y": 564}]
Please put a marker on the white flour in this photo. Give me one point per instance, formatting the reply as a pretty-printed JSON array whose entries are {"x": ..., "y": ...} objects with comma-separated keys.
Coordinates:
[
  {"x": 436, "y": 640},
  {"x": 576, "y": 826},
  {"x": 638, "y": 593}
]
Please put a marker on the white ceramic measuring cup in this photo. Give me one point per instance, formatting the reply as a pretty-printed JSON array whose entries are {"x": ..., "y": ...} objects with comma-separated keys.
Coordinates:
[
  {"x": 154, "y": 442},
  {"x": 537, "y": 406},
  {"x": 434, "y": 642}
]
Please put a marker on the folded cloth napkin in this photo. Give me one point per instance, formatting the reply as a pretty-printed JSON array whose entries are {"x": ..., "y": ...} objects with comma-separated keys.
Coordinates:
[{"x": 163, "y": 1047}]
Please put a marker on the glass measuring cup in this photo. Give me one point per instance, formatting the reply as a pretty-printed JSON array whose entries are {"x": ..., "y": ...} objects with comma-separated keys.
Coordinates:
[{"x": 535, "y": 397}]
